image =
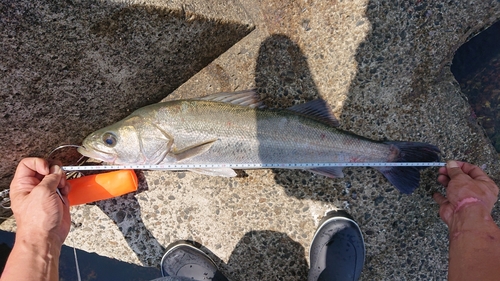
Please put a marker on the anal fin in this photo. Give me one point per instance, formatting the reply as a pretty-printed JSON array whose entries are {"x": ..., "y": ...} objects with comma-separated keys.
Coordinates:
[
  {"x": 405, "y": 179},
  {"x": 331, "y": 172},
  {"x": 221, "y": 172}
]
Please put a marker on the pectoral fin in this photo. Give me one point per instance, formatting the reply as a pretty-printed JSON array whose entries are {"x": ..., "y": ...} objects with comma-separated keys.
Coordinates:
[
  {"x": 222, "y": 172},
  {"x": 192, "y": 151}
]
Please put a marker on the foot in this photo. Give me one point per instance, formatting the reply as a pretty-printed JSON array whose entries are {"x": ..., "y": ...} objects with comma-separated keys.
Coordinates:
[
  {"x": 337, "y": 250},
  {"x": 185, "y": 260}
]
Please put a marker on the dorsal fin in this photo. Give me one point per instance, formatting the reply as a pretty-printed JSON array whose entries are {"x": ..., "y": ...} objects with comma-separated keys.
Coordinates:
[
  {"x": 248, "y": 98},
  {"x": 316, "y": 109}
]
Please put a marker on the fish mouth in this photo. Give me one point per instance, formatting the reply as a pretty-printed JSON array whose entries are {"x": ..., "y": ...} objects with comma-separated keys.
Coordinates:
[{"x": 97, "y": 154}]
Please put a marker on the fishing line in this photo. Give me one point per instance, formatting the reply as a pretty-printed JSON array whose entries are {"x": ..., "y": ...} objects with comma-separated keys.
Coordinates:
[
  {"x": 251, "y": 166},
  {"x": 76, "y": 263},
  {"x": 77, "y": 267},
  {"x": 61, "y": 147}
]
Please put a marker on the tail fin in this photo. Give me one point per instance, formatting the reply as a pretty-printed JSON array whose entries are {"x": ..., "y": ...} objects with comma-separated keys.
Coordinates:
[{"x": 407, "y": 179}]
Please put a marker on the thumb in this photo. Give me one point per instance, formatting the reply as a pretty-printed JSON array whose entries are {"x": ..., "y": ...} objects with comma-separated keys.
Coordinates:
[
  {"x": 453, "y": 169},
  {"x": 51, "y": 181}
]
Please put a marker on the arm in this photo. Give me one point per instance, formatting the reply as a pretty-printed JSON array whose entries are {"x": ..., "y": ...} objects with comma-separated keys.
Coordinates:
[
  {"x": 474, "y": 236},
  {"x": 33, "y": 258},
  {"x": 43, "y": 221}
]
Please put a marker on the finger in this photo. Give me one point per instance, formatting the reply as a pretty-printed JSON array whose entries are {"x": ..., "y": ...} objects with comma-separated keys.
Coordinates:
[
  {"x": 51, "y": 181},
  {"x": 30, "y": 167},
  {"x": 444, "y": 180},
  {"x": 62, "y": 182},
  {"x": 444, "y": 207},
  {"x": 66, "y": 189},
  {"x": 454, "y": 168},
  {"x": 439, "y": 198},
  {"x": 53, "y": 162},
  {"x": 443, "y": 171}
]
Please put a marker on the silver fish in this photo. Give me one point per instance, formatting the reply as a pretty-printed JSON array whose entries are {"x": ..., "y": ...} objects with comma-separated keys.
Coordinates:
[{"x": 231, "y": 128}]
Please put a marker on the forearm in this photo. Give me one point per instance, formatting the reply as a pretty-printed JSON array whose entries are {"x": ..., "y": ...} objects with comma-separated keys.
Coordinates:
[
  {"x": 474, "y": 245},
  {"x": 33, "y": 258}
]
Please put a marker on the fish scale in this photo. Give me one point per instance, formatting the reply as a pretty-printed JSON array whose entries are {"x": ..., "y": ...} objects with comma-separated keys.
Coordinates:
[{"x": 271, "y": 136}]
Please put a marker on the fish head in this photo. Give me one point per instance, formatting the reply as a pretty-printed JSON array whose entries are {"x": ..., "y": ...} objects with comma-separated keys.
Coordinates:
[{"x": 127, "y": 142}]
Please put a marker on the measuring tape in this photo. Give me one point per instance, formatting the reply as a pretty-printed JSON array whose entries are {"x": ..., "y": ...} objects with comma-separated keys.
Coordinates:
[{"x": 252, "y": 166}]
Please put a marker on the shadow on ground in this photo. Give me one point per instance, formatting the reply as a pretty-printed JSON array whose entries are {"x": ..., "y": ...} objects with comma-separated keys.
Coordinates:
[
  {"x": 283, "y": 79},
  {"x": 125, "y": 212},
  {"x": 258, "y": 249},
  {"x": 397, "y": 94}
]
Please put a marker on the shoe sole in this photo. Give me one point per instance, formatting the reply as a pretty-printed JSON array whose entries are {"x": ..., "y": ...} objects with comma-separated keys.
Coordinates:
[
  {"x": 336, "y": 215},
  {"x": 178, "y": 244}
]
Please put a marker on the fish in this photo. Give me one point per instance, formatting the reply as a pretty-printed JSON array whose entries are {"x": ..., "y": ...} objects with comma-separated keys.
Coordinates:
[{"x": 235, "y": 128}]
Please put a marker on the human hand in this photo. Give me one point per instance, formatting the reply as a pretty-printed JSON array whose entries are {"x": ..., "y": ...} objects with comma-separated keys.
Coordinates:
[
  {"x": 466, "y": 185},
  {"x": 37, "y": 208}
]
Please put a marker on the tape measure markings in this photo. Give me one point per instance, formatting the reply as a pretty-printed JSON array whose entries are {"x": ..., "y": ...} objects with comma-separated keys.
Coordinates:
[{"x": 251, "y": 166}]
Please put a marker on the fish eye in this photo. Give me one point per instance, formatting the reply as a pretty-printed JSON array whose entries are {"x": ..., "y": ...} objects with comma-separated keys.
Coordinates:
[{"x": 109, "y": 139}]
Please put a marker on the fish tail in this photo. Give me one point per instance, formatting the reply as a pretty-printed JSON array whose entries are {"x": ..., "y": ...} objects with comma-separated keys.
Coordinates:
[{"x": 407, "y": 179}]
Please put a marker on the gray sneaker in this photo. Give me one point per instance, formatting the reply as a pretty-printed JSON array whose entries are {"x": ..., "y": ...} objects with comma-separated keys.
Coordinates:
[
  {"x": 185, "y": 260},
  {"x": 337, "y": 250}
]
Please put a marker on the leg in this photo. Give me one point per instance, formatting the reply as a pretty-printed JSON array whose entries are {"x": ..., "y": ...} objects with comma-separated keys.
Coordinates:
[
  {"x": 337, "y": 251},
  {"x": 183, "y": 260}
]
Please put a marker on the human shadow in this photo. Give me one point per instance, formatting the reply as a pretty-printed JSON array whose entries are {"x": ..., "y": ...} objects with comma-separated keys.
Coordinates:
[
  {"x": 282, "y": 75},
  {"x": 283, "y": 79},
  {"x": 267, "y": 255},
  {"x": 125, "y": 212}
]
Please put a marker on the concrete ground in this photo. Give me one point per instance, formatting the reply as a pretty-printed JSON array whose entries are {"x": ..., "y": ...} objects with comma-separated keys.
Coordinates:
[{"x": 72, "y": 67}]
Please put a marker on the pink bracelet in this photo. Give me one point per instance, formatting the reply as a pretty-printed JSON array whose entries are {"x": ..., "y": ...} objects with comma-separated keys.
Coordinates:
[{"x": 466, "y": 201}]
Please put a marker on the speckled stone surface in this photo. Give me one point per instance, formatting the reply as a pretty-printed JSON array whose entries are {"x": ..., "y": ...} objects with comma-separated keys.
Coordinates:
[{"x": 383, "y": 67}]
